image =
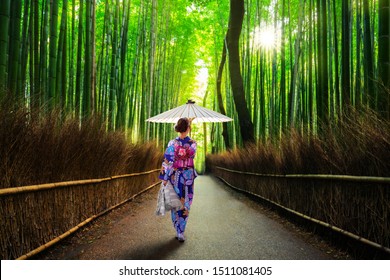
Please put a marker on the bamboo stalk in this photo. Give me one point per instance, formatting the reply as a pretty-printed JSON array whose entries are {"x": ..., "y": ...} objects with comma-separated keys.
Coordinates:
[
  {"x": 74, "y": 229},
  {"x": 334, "y": 228},
  {"x": 8, "y": 191},
  {"x": 363, "y": 179}
]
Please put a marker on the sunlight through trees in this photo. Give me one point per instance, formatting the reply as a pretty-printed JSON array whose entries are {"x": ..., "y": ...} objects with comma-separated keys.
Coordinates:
[{"x": 302, "y": 62}]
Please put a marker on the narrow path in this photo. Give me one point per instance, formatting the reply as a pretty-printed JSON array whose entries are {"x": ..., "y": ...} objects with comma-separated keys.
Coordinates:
[{"x": 223, "y": 224}]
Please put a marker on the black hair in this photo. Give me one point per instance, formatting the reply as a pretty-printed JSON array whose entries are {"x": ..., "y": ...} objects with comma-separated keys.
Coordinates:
[{"x": 182, "y": 125}]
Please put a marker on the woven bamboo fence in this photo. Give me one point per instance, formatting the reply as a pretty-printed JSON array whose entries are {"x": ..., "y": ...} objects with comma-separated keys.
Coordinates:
[
  {"x": 33, "y": 216},
  {"x": 358, "y": 207}
]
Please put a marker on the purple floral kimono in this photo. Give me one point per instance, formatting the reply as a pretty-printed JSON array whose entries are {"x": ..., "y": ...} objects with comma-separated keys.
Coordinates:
[{"x": 178, "y": 167}]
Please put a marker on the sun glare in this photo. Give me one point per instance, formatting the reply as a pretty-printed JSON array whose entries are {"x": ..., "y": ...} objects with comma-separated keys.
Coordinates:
[
  {"x": 264, "y": 37},
  {"x": 202, "y": 77}
]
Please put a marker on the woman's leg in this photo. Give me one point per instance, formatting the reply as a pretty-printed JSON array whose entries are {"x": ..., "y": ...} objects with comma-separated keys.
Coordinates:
[
  {"x": 179, "y": 220},
  {"x": 185, "y": 193}
]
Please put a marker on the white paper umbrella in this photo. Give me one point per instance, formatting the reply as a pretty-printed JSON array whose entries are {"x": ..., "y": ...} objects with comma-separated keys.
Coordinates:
[{"x": 192, "y": 111}]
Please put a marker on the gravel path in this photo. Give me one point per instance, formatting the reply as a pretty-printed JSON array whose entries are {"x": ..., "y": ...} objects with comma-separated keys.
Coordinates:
[{"x": 223, "y": 224}]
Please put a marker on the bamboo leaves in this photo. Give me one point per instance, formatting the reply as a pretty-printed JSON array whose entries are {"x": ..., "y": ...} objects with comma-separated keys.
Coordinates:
[{"x": 131, "y": 59}]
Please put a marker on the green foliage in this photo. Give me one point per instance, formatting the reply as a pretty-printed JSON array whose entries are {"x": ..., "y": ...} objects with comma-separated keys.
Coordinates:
[{"x": 131, "y": 71}]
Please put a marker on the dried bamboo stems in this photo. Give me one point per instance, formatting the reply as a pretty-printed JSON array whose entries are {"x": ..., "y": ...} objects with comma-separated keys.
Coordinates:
[
  {"x": 351, "y": 205},
  {"x": 334, "y": 228},
  {"x": 36, "y": 215},
  {"x": 76, "y": 228}
]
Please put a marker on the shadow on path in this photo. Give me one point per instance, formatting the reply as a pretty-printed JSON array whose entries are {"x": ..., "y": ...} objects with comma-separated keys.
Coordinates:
[{"x": 154, "y": 251}]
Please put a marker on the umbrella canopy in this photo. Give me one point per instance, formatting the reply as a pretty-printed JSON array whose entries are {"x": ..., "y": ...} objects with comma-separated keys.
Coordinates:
[{"x": 192, "y": 111}]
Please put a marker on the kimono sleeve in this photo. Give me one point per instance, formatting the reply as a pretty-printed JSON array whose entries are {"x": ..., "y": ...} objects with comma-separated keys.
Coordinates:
[
  {"x": 192, "y": 149},
  {"x": 167, "y": 164}
]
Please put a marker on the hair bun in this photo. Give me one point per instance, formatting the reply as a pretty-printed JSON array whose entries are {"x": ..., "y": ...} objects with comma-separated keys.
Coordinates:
[{"x": 182, "y": 125}]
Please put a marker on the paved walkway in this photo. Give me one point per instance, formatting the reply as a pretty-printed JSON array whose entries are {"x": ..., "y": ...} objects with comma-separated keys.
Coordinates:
[{"x": 223, "y": 224}]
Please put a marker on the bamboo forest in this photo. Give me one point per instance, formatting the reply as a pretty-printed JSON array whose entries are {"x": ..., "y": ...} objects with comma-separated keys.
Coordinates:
[
  {"x": 270, "y": 65},
  {"x": 304, "y": 85}
]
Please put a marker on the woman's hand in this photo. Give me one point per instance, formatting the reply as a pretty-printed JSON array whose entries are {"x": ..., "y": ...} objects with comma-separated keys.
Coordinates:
[{"x": 165, "y": 182}]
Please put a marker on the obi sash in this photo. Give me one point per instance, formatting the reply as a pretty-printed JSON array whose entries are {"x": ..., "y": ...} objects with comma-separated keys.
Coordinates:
[{"x": 184, "y": 163}]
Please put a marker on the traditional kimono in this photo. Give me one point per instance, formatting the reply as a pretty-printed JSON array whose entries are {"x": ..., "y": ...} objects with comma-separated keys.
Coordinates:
[{"x": 178, "y": 167}]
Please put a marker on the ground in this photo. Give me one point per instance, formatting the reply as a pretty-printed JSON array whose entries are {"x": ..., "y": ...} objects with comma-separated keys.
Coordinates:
[{"x": 118, "y": 234}]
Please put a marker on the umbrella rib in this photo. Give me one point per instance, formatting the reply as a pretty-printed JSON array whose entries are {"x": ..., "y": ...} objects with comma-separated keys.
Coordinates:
[
  {"x": 181, "y": 112},
  {"x": 174, "y": 113},
  {"x": 202, "y": 113},
  {"x": 207, "y": 114},
  {"x": 193, "y": 111}
]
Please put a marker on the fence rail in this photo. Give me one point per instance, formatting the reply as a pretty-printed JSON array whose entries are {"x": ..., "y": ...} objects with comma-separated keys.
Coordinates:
[
  {"x": 362, "y": 179},
  {"x": 357, "y": 207},
  {"x": 41, "y": 187},
  {"x": 34, "y": 218}
]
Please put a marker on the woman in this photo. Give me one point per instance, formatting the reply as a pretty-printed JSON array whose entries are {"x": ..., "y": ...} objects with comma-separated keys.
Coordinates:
[{"x": 178, "y": 168}]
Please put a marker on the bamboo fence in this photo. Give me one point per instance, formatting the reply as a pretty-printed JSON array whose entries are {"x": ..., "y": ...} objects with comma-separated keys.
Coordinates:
[
  {"x": 358, "y": 207},
  {"x": 35, "y": 217}
]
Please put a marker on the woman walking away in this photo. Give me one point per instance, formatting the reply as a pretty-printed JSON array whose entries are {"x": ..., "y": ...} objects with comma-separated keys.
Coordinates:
[{"x": 178, "y": 168}]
